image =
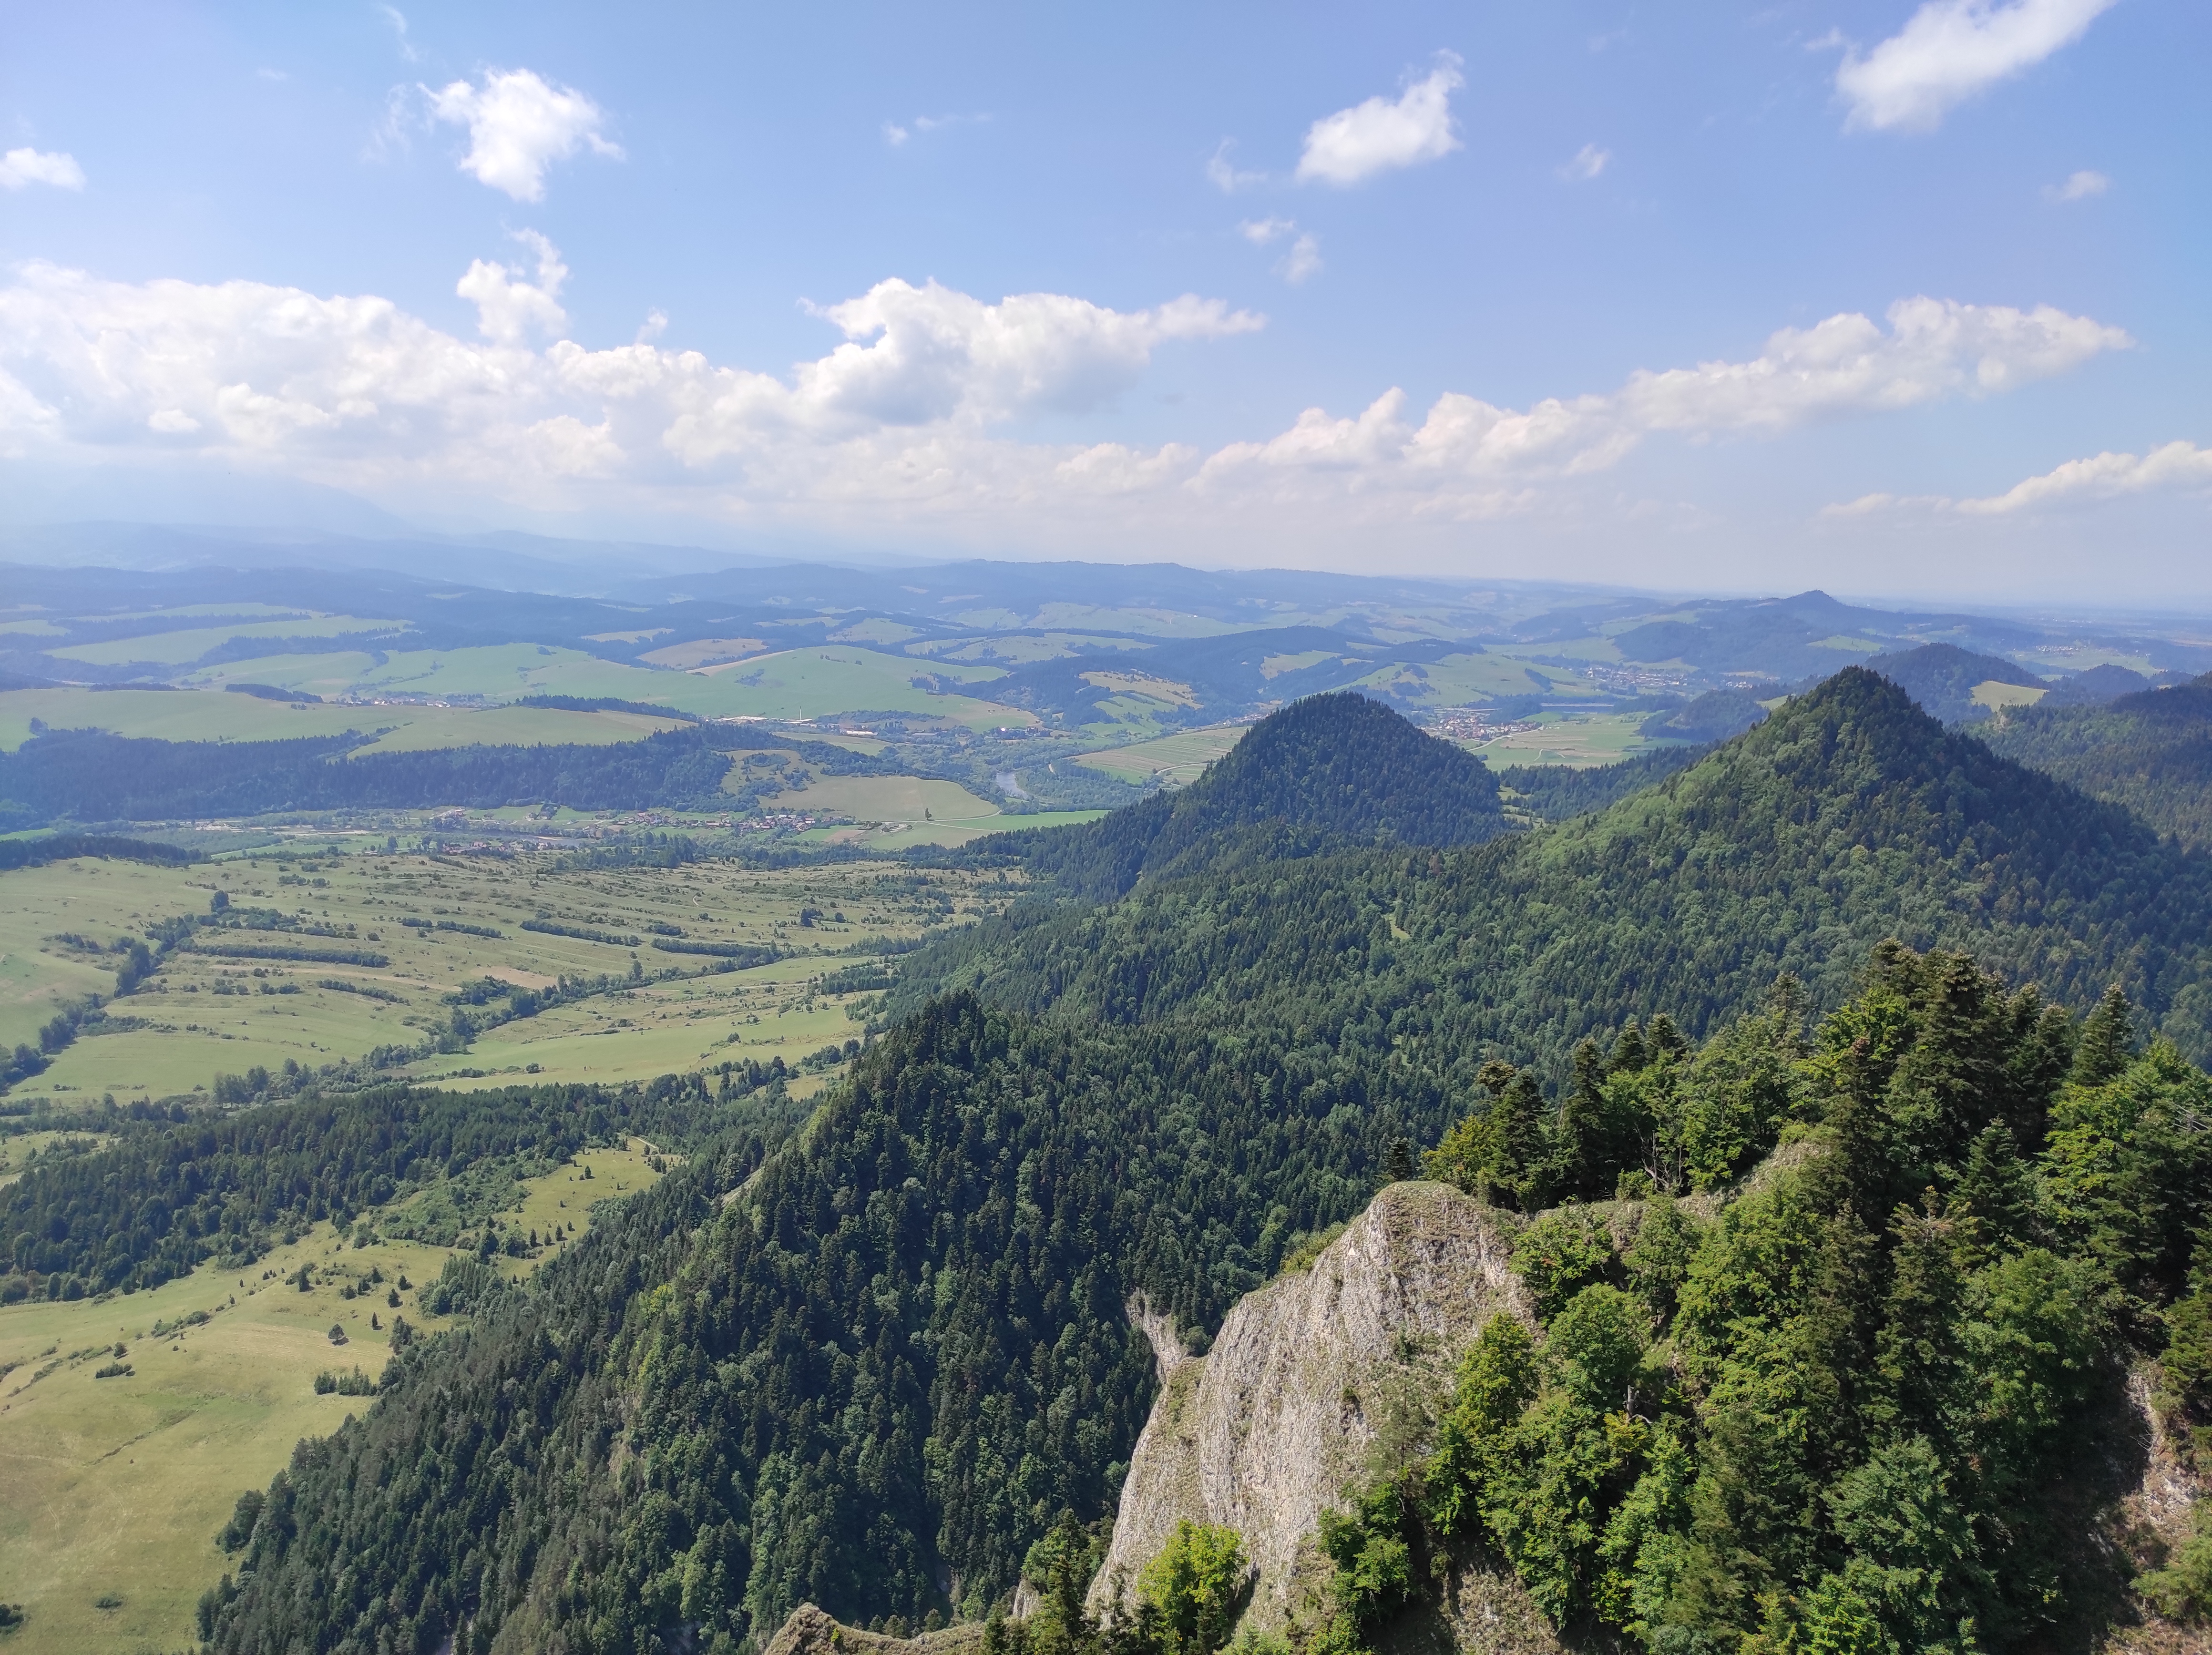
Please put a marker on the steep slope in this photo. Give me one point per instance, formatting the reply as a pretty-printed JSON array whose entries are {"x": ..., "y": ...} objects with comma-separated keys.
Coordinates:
[
  {"x": 2151, "y": 751},
  {"x": 1310, "y": 1379},
  {"x": 1943, "y": 677},
  {"x": 1849, "y": 816},
  {"x": 1337, "y": 766}
]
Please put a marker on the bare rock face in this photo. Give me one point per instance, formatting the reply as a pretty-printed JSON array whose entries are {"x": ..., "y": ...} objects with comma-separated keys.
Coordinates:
[
  {"x": 1316, "y": 1379},
  {"x": 809, "y": 1631}
]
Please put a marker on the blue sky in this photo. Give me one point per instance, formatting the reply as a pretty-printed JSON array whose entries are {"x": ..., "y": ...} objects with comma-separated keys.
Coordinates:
[{"x": 1889, "y": 297}]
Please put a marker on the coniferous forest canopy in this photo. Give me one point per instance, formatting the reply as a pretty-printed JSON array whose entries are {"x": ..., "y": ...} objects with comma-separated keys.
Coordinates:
[{"x": 1836, "y": 1081}]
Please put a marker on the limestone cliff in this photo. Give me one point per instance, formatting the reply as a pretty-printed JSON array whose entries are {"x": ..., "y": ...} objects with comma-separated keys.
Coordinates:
[{"x": 1314, "y": 1380}]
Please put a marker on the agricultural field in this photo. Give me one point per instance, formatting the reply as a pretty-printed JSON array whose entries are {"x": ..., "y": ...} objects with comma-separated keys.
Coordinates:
[
  {"x": 117, "y": 1487},
  {"x": 804, "y": 684},
  {"x": 1176, "y": 758},
  {"x": 1578, "y": 739},
  {"x": 383, "y": 942},
  {"x": 188, "y": 716}
]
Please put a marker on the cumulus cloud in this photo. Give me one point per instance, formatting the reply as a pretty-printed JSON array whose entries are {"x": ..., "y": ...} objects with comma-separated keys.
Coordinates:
[
  {"x": 519, "y": 125},
  {"x": 1382, "y": 134},
  {"x": 355, "y": 391},
  {"x": 508, "y": 310},
  {"x": 2176, "y": 466},
  {"x": 2080, "y": 187},
  {"x": 1589, "y": 160},
  {"x": 1932, "y": 350},
  {"x": 1951, "y": 50},
  {"x": 19, "y": 167},
  {"x": 908, "y": 412}
]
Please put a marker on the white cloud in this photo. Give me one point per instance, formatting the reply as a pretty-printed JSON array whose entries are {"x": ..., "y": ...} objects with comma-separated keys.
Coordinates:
[
  {"x": 519, "y": 125},
  {"x": 1934, "y": 350},
  {"x": 1224, "y": 175},
  {"x": 1261, "y": 231},
  {"x": 1354, "y": 144},
  {"x": 2080, "y": 187},
  {"x": 2176, "y": 466},
  {"x": 904, "y": 422},
  {"x": 1589, "y": 160},
  {"x": 895, "y": 134},
  {"x": 356, "y": 392},
  {"x": 508, "y": 310},
  {"x": 1950, "y": 50},
  {"x": 21, "y": 166},
  {"x": 1302, "y": 260}
]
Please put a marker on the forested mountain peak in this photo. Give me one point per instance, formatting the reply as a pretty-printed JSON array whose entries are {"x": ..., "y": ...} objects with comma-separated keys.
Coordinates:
[
  {"x": 1326, "y": 770},
  {"x": 1943, "y": 677},
  {"x": 1347, "y": 765},
  {"x": 1849, "y": 816}
]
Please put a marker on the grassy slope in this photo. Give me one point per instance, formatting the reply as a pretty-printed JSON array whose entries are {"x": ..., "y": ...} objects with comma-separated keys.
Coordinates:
[{"x": 118, "y": 1487}]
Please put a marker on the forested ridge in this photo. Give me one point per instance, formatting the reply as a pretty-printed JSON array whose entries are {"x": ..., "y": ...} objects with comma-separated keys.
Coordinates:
[
  {"x": 88, "y": 775},
  {"x": 1849, "y": 816},
  {"x": 2151, "y": 751},
  {"x": 1864, "y": 1243}
]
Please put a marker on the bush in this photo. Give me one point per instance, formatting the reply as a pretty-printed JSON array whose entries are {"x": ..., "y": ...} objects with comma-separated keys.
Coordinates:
[{"x": 1196, "y": 1587}]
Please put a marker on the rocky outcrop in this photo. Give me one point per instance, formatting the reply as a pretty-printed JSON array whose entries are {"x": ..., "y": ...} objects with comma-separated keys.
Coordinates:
[
  {"x": 1317, "y": 1378},
  {"x": 810, "y": 1631}
]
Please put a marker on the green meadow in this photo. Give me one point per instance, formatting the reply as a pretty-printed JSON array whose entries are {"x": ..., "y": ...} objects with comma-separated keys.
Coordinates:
[
  {"x": 117, "y": 1487},
  {"x": 207, "y": 1013}
]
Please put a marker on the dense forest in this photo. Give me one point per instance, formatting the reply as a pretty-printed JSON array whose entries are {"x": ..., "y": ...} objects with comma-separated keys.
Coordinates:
[
  {"x": 1849, "y": 816},
  {"x": 87, "y": 775},
  {"x": 2151, "y": 751},
  {"x": 1878, "y": 1401}
]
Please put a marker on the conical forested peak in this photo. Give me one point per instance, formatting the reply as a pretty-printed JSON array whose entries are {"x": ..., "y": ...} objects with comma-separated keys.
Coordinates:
[
  {"x": 1345, "y": 764},
  {"x": 1321, "y": 772}
]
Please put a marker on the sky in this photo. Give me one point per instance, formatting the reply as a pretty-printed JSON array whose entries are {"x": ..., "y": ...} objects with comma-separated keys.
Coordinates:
[{"x": 1885, "y": 296}]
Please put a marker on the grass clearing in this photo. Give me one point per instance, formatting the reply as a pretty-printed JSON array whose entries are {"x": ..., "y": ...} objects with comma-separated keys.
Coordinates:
[
  {"x": 1575, "y": 739},
  {"x": 117, "y": 1487},
  {"x": 1178, "y": 758},
  {"x": 1993, "y": 695}
]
